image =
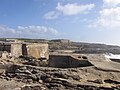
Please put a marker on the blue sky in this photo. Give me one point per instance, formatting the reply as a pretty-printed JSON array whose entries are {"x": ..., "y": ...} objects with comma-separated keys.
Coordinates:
[{"x": 77, "y": 20}]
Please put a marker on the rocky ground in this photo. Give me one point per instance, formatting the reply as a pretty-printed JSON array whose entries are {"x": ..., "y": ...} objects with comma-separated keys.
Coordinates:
[
  {"x": 26, "y": 73},
  {"x": 27, "y": 77}
]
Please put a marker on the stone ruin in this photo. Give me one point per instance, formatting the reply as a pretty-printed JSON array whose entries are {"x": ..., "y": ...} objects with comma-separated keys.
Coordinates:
[
  {"x": 36, "y": 50},
  {"x": 37, "y": 54},
  {"x": 68, "y": 61}
]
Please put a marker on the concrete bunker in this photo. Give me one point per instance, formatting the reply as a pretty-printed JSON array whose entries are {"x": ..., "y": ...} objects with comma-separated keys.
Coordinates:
[
  {"x": 68, "y": 61},
  {"x": 36, "y": 50},
  {"x": 4, "y": 48}
]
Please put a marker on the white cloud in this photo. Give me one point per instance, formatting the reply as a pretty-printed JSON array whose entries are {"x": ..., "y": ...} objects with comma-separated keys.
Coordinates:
[
  {"x": 73, "y": 9},
  {"x": 68, "y": 9},
  {"x": 29, "y": 31},
  {"x": 51, "y": 15},
  {"x": 111, "y": 3},
  {"x": 109, "y": 16}
]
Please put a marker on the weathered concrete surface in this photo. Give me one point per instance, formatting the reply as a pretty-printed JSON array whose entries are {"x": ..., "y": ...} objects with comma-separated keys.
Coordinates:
[
  {"x": 100, "y": 62},
  {"x": 38, "y": 50},
  {"x": 16, "y": 49},
  {"x": 73, "y": 60},
  {"x": 68, "y": 61}
]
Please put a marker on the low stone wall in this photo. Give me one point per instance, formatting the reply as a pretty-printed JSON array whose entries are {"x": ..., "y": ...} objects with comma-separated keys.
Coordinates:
[
  {"x": 76, "y": 62},
  {"x": 59, "y": 61},
  {"x": 67, "y": 61}
]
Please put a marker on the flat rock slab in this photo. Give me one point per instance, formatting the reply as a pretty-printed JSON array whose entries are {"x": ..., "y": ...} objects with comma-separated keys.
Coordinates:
[{"x": 100, "y": 62}]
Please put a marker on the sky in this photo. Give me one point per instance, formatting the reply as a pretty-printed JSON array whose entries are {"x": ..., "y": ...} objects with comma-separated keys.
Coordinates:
[{"x": 94, "y": 21}]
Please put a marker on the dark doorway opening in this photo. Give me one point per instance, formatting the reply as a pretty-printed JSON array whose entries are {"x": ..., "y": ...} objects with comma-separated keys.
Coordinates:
[{"x": 24, "y": 50}]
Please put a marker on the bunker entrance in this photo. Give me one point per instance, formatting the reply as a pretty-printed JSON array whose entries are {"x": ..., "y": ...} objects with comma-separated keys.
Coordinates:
[
  {"x": 62, "y": 61},
  {"x": 24, "y": 50},
  {"x": 5, "y": 47}
]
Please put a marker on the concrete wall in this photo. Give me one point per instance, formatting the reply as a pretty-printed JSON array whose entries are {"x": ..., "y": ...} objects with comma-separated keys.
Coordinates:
[
  {"x": 76, "y": 62},
  {"x": 16, "y": 49},
  {"x": 67, "y": 61},
  {"x": 59, "y": 61},
  {"x": 38, "y": 50}
]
